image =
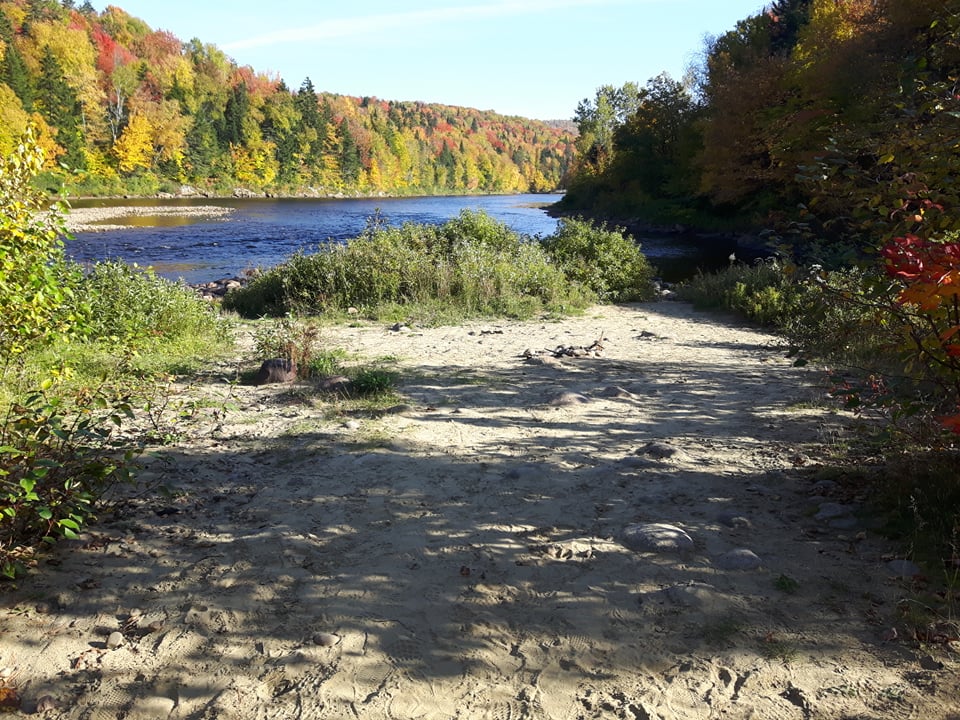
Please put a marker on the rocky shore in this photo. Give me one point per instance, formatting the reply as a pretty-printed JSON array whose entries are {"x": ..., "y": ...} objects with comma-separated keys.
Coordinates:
[{"x": 98, "y": 219}]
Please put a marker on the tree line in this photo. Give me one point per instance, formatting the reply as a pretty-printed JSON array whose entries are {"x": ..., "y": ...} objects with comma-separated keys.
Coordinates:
[
  {"x": 834, "y": 119},
  {"x": 126, "y": 108}
]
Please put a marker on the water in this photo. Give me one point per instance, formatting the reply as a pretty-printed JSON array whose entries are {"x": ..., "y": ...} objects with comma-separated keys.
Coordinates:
[{"x": 261, "y": 233}]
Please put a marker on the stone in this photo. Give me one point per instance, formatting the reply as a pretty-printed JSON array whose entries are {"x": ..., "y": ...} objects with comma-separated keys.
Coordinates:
[
  {"x": 615, "y": 391},
  {"x": 569, "y": 398},
  {"x": 276, "y": 370},
  {"x": 734, "y": 519},
  {"x": 659, "y": 450},
  {"x": 115, "y": 640},
  {"x": 830, "y": 510},
  {"x": 151, "y": 708},
  {"x": 904, "y": 568},
  {"x": 325, "y": 639},
  {"x": 656, "y": 537},
  {"x": 739, "y": 559},
  {"x": 335, "y": 384}
]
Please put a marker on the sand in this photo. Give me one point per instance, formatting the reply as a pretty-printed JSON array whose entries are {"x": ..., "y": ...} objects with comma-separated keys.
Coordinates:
[{"x": 632, "y": 535}]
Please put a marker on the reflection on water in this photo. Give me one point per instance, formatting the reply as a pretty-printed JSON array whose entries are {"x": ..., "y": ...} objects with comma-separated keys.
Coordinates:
[{"x": 144, "y": 221}]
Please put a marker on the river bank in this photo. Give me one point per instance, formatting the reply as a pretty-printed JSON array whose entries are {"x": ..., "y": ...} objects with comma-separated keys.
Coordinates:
[{"x": 648, "y": 530}]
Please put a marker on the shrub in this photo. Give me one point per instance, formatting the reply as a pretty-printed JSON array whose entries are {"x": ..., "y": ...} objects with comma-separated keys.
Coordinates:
[
  {"x": 764, "y": 292},
  {"x": 133, "y": 306},
  {"x": 290, "y": 339},
  {"x": 32, "y": 295},
  {"x": 55, "y": 463},
  {"x": 606, "y": 261},
  {"x": 472, "y": 262}
]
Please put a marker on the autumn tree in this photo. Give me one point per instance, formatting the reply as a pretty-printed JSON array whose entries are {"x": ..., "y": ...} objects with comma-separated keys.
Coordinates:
[{"x": 134, "y": 147}]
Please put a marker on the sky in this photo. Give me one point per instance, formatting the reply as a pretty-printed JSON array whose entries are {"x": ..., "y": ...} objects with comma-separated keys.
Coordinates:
[{"x": 533, "y": 58}]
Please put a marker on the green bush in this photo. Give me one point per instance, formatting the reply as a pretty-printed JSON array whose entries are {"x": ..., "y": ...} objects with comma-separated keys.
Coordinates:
[
  {"x": 606, "y": 261},
  {"x": 55, "y": 463},
  {"x": 764, "y": 292},
  {"x": 472, "y": 263},
  {"x": 32, "y": 295},
  {"x": 136, "y": 307}
]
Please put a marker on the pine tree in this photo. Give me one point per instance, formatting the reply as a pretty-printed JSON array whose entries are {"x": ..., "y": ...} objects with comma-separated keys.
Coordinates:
[
  {"x": 58, "y": 104},
  {"x": 13, "y": 68}
]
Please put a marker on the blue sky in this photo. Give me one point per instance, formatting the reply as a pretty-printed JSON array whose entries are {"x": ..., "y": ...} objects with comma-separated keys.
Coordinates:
[{"x": 534, "y": 58}]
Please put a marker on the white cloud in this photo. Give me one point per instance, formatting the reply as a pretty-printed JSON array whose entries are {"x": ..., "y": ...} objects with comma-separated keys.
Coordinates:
[{"x": 364, "y": 26}]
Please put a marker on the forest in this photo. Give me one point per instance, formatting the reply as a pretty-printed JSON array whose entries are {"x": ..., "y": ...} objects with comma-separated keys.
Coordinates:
[
  {"x": 827, "y": 120},
  {"x": 122, "y": 108}
]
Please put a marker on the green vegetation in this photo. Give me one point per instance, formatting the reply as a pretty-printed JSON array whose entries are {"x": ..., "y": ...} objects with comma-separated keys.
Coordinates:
[
  {"x": 472, "y": 264},
  {"x": 827, "y": 128},
  {"x": 606, "y": 261},
  {"x": 88, "y": 346},
  {"x": 131, "y": 110}
]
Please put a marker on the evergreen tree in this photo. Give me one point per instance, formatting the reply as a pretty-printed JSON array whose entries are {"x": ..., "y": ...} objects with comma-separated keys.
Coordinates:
[
  {"x": 234, "y": 115},
  {"x": 59, "y": 106},
  {"x": 349, "y": 156},
  {"x": 13, "y": 68}
]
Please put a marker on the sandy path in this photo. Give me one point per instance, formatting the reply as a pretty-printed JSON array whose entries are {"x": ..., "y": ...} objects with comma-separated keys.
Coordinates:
[{"x": 475, "y": 554}]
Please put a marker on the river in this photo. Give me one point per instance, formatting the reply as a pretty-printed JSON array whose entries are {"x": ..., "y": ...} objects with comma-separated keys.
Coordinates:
[{"x": 262, "y": 232}]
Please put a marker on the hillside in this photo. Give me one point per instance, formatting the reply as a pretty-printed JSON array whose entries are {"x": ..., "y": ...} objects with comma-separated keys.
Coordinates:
[{"x": 131, "y": 109}]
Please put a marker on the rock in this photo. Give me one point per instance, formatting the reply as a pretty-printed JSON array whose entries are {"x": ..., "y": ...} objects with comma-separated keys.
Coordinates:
[
  {"x": 568, "y": 398},
  {"x": 739, "y": 559},
  {"x": 696, "y": 595},
  {"x": 928, "y": 662},
  {"x": 46, "y": 703},
  {"x": 659, "y": 450},
  {"x": 830, "y": 510},
  {"x": 151, "y": 708},
  {"x": 904, "y": 568},
  {"x": 656, "y": 537},
  {"x": 187, "y": 190},
  {"x": 325, "y": 639},
  {"x": 352, "y": 425},
  {"x": 335, "y": 384},
  {"x": 276, "y": 370},
  {"x": 616, "y": 391},
  {"x": 115, "y": 640},
  {"x": 734, "y": 519}
]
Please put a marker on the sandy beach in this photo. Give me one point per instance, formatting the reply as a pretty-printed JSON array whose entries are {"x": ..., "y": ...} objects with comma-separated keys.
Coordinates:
[{"x": 639, "y": 533}]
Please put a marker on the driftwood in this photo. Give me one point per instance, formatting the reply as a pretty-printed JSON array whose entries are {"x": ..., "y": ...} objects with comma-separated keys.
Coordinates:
[{"x": 595, "y": 349}]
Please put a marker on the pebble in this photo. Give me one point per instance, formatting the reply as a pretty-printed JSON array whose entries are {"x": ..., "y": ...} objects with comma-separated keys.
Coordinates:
[
  {"x": 352, "y": 425},
  {"x": 656, "y": 537},
  {"x": 739, "y": 559},
  {"x": 115, "y": 640}
]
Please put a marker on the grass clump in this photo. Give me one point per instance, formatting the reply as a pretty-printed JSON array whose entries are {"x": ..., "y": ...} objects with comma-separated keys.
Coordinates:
[{"x": 471, "y": 264}]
